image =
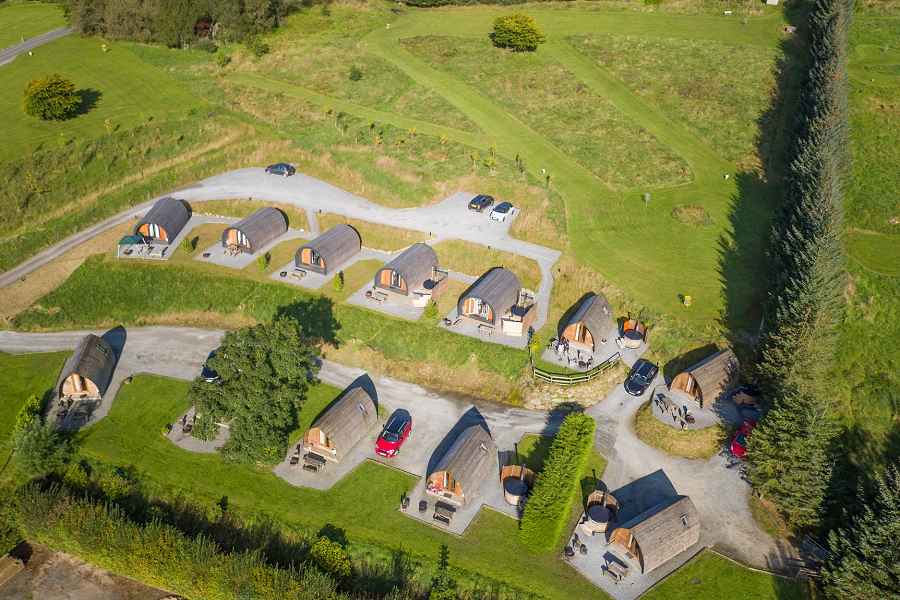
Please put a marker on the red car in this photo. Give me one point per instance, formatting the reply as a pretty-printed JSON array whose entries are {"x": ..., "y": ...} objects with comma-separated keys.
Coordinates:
[
  {"x": 739, "y": 441},
  {"x": 395, "y": 432}
]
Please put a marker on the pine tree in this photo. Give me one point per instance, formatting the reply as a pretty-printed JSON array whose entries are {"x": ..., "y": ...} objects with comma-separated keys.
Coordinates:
[{"x": 865, "y": 558}]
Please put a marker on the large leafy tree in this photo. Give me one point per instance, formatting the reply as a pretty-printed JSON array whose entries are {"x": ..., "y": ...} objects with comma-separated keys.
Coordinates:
[
  {"x": 51, "y": 98},
  {"x": 264, "y": 374},
  {"x": 865, "y": 557}
]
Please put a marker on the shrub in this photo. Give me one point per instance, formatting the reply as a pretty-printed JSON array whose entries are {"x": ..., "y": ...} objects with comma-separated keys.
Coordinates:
[
  {"x": 355, "y": 73},
  {"x": 51, "y": 98},
  {"x": 28, "y": 414},
  {"x": 263, "y": 262},
  {"x": 256, "y": 46},
  {"x": 558, "y": 484},
  {"x": 518, "y": 32},
  {"x": 331, "y": 557},
  {"x": 40, "y": 449},
  {"x": 338, "y": 282},
  {"x": 223, "y": 60},
  {"x": 189, "y": 244},
  {"x": 205, "y": 44},
  {"x": 431, "y": 311}
]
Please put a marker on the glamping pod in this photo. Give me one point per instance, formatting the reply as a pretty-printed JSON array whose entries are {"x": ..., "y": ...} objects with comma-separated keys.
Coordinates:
[
  {"x": 342, "y": 426},
  {"x": 330, "y": 250},
  {"x": 164, "y": 221},
  {"x": 706, "y": 381},
  {"x": 491, "y": 297},
  {"x": 254, "y": 232},
  {"x": 467, "y": 463},
  {"x": 88, "y": 371},
  {"x": 660, "y": 533},
  {"x": 409, "y": 271},
  {"x": 589, "y": 324}
]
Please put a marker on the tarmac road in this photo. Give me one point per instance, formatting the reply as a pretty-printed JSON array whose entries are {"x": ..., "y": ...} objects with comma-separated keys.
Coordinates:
[{"x": 7, "y": 55}]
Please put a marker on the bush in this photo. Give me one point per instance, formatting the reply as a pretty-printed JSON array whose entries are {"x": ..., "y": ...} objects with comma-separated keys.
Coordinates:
[
  {"x": 338, "y": 282},
  {"x": 431, "y": 311},
  {"x": 355, "y": 73},
  {"x": 223, "y": 60},
  {"x": 40, "y": 449},
  {"x": 518, "y": 32},
  {"x": 205, "y": 427},
  {"x": 256, "y": 46},
  {"x": 28, "y": 414},
  {"x": 205, "y": 44},
  {"x": 263, "y": 262},
  {"x": 331, "y": 557},
  {"x": 189, "y": 244},
  {"x": 51, "y": 98},
  {"x": 558, "y": 485}
]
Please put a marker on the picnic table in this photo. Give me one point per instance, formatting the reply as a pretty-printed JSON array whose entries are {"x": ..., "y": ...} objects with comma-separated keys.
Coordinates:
[
  {"x": 443, "y": 512},
  {"x": 313, "y": 462},
  {"x": 616, "y": 571}
]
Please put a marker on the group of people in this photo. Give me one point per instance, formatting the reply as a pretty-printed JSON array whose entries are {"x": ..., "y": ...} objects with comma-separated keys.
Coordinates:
[{"x": 561, "y": 346}]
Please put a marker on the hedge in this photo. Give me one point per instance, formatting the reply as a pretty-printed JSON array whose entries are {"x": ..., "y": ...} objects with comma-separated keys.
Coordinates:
[
  {"x": 158, "y": 554},
  {"x": 429, "y": 3},
  {"x": 558, "y": 485}
]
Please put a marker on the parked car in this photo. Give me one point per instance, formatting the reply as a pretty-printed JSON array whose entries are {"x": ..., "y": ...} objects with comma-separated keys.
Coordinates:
[
  {"x": 739, "y": 441},
  {"x": 283, "y": 169},
  {"x": 641, "y": 376},
  {"x": 501, "y": 212},
  {"x": 480, "y": 202},
  {"x": 395, "y": 432},
  {"x": 208, "y": 374}
]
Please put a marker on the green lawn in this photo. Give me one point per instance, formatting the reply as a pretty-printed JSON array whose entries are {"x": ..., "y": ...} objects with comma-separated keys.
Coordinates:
[
  {"x": 318, "y": 397},
  {"x": 710, "y": 576},
  {"x": 22, "y": 21},
  {"x": 130, "y": 436}
]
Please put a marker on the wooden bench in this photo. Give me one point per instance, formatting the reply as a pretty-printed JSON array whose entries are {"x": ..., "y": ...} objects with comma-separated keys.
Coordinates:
[
  {"x": 443, "y": 512},
  {"x": 485, "y": 330},
  {"x": 616, "y": 571},
  {"x": 313, "y": 462}
]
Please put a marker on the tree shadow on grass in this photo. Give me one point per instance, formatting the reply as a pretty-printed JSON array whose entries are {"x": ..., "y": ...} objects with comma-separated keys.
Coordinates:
[
  {"x": 315, "y": 316},
  {"x": 89, "y": 98}
]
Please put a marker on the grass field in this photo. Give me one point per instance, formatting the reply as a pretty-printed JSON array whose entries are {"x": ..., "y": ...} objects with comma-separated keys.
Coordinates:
[
  {"x": 22, "y": 21},
  {"x": 129, "y": 436},
  {"x": 245, "y": 207},
  {"x": 374, "y": 235},
  {"x": 711, "y": 576},
  {"x": 700, "y": 444},
  {"x": 474, "y": 259}
]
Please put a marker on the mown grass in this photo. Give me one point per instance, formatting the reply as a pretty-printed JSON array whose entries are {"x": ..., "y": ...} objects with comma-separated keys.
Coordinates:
[
  {"x": 19, "y": 22},
  {"x": 123, "y": 92},
  {"x": 475, "y": 259},
  {"x": 712, "y": 88},
  {"x": 104, "y": 292},
  {"x": 698, "y": 444},
  {"x": 245, "y": 207},
  {"x": 318, "y": 397},
  {"x": 711, "y": 576},
  {"x": 375, "y": 235},
  {"x": 547, "y": 97},
  {"x": 129, "y": 436},
  {"x": 355, "y": 276}
]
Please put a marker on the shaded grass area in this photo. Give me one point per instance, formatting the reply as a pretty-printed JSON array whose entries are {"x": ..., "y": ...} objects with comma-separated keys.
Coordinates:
[
  {"x": 697, "y": 444},
  {"x": 475, "y": 259},
  {"x": 547, "y": 97},
  {"x": 129, "y": 436},
  {"x": 718, "y": 90},
  {"x": 19, "y": 22},
  {"x": 104, "y": 292},
  {"x": 125, "y": 91},
  {"x": 374, "y": 235},
  {"x": 245, "y": 207},
  {"x": 317, "y": 398},
  {"x": 711, "y": 576}
]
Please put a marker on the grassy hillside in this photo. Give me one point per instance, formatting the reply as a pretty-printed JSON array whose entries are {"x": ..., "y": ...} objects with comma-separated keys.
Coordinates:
[{"x": 25, "y": 20}]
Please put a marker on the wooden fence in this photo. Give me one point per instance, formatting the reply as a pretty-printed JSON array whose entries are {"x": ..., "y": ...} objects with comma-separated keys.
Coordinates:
[{"x": 574, "y": 378}]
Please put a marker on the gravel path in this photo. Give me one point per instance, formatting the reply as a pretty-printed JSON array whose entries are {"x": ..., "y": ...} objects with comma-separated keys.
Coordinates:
[{"x": 7, "y": 55}]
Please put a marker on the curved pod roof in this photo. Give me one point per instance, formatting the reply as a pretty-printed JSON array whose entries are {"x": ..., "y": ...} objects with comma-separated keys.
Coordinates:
[
  {"x": 469, "y": 459},
  {"x": 593, "y": 313},
  {"x": 255, "y": 231},
  {"x": 347, "y": 421},
  {"x": 707, "y": 380},
  {"x": 663, "y": 531},
  {"x": 330, "y": 250},
  {"x": 409, "y": 271},
  {"x": 498, "y": 289},
  {"x": 93, "y": 362},
  {"x": 165, "y": 220}
]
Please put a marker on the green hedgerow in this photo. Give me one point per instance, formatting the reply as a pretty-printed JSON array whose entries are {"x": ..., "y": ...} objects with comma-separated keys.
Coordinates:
[
  {"x": 518, "y": 32},
  {"x": 51, "y": 98}
]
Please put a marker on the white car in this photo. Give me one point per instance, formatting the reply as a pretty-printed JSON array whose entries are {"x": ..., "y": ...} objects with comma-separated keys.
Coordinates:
[{"x": 501, "y": 212}]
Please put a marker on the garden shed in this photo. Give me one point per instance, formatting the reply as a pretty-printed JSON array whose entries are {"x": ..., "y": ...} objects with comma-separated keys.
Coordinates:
[
  {"x": 466, "y": 464},
  {"x": 347, "y": 421},
  {"x": 252, "y": 233},
  {"x": 164, "y": 221},
  {"x": 409, "y": 271},
  {"x": 330, "y": 250},
  {"x": 659, "y": 533},
  {"x": 589, "y": 323},
  {"x": 491, "y": 297},
  {"x": 707, "y": 380},
  {"x": 88, "y": 371}
]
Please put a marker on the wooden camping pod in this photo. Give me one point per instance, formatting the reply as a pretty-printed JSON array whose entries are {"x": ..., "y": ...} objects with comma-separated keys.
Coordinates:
[
  {"x": 88, "y": 371},
  {"x": 254, "y": 232},
  {"x": 660, "y": 533},
  {"x": 707, "y": 380},
  {"x": 342, "y": 425},
  {"x": 589, "y": 323},
  {"x": 464, "y": 466},
  {"x": 164, "y": 221},
  {"x": 409, "y": 271},
  {"x": 490, "y": 297},
  {"x": 330, "y": 250}
]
